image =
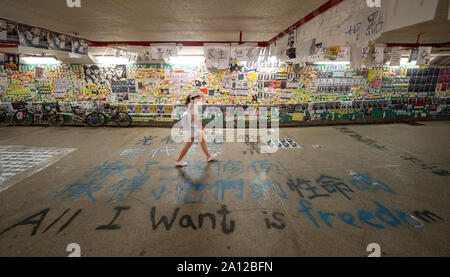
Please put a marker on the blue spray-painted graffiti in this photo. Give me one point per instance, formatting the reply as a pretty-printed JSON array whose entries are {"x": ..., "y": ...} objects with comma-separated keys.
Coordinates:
[
  {"x": 93, "y": 182},
  {"x": 382, "y": 215},
  {"x": 164, "y": 149},
  {"x": 131, "y": 152}
]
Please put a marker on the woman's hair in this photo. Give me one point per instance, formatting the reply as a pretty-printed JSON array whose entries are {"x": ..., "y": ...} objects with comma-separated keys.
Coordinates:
[{"x": 189, "y": 99}]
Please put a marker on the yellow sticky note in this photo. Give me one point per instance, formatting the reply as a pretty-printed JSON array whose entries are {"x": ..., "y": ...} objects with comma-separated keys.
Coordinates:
[
  {"x": 297, "y": 117},
  {"x": 138, "y": 108},
  {"x": 168, "y": 109}
]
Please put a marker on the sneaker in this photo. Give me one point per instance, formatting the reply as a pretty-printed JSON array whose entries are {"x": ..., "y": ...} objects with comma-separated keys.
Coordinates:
[
  {"x": 212, "y": 158},
  {"x": 181, "y": 164}
]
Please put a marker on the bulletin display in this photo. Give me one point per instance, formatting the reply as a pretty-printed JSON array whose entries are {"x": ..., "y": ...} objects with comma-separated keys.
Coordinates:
[{"x": 149, "y": 92}]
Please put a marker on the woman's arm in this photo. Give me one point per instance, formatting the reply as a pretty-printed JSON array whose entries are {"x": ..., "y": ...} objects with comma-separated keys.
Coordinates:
[{"x": 197, "y": 122}]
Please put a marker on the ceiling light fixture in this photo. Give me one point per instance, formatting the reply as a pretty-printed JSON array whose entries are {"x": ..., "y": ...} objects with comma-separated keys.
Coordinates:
[
  {"x": 111, "y": 60},
  {"x": 40, "y": 60},
  {"x": 189, "y": 60}
]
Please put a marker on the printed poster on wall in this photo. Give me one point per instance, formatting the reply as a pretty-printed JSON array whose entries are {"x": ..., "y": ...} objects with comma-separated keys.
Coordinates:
[
  {"x": 61, "y": 85},
  {"x": 3, "y": 83},
  {"x": 39, "y": 73},
  {"x": 100, "y": 77},
  {"x": 11, "y": 62},
  {"x": 33, "y": 37},
  {"x": 8, "y": 32},
  {"x": 60, "y": 42}
]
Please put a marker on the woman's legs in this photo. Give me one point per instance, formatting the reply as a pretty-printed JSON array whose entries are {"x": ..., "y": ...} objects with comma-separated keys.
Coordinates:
[
  {"x": 204, "y": 148},
  {"x": 185, "y": 149}
]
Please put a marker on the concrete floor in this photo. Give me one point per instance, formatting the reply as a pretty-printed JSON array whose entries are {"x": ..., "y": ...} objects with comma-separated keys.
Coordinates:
[{"x": 106, "y": 189}]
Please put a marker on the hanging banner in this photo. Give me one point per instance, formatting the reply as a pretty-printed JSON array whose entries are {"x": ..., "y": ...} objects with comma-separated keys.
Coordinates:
[
  {"x": 424, "y": 56},
  {"x": 11, "y": 62},
  {"x": 379, "y": 55},
  {"x": 217, "y": 55},
  {"x": 281, "y": 48},
  {"x": 60, "y": 42},
  {"x": 336, "y": 22},
  {"x": 8, "y": 32},
  {"x": 372, "y": 26},
  {"x": 317, "y": 52},
  {"x": 403, "y": 13},
  {"x": 291, "y": 44},
  {"x": 369, "y": 56},
  {"x": 413, "y": 55},
  {"x": 33, "y": 37},
  {"x": 164, "y": 50},
  {"x": 396, "y": 56},
  {"x": 80, "y": 46},
  {"x": 245, "y": 52},
  {"x": 337, "y": 53},
  {"x": 356, "y": 56}
]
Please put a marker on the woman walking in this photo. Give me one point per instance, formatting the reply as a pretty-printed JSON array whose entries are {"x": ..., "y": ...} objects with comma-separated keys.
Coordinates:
[{"x": 195, "y": 127}]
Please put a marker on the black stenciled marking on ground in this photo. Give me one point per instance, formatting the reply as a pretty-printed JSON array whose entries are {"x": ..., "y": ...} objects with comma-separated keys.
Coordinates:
[
  {"x": 279, "y": 224},
  {"x": 37, "y": 223},
  {"x": 69, "y": 221},
  {"x": 252, "y": 145},
  {"x": 274, "y": 220},
  {"x": 427, "y": 216},
  {"x": 358, "y": 137},
  {"x": 434, "y": 169},
  {"x": 282, "y": 143},
  {"x": 186, "y": 221},
  {"x": 111, "y": 225},
  {"x": 414, "y": 124},
  {"x": 56, "y": 220}
]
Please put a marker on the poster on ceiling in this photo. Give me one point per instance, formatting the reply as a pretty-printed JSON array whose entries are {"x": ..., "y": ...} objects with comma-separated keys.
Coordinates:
[
  {"x": 8, "y": 32},
  {"x": 32, "y": 37},
  {"x": 60, "y": 42},
  {"x": 11, "y": 62},
  {"x": 80, "y": 46}
]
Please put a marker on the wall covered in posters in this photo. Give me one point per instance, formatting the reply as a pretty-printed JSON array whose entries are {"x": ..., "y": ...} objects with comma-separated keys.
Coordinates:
[{"x": 317, "y": 92}]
